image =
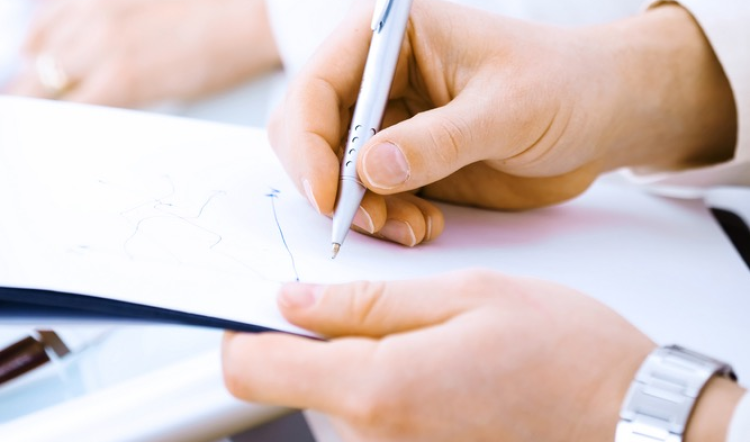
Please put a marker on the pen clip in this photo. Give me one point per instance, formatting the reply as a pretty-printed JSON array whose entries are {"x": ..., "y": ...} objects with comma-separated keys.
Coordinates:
[{"x": 381, "y": 11}]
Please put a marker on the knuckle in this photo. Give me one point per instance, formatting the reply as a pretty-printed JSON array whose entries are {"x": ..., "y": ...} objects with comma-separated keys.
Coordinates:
[
  {"x": 376, "y": 405},
  {"x": 451, "y": 137},
  {"x": 478, "y": 283},
  {"x": 366, "y": 300}
]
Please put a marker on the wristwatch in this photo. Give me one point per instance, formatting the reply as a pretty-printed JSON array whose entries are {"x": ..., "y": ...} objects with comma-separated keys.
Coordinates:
[{"x": 660, "y": 400}]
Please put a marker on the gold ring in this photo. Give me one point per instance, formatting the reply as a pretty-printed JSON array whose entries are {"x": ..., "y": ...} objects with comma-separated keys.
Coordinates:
[{"x": 52, "y": 76}]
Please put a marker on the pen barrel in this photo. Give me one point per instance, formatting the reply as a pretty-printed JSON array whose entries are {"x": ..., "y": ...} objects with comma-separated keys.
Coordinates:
[
  {"x": 358, "y": 136},
  {"x": 377, "y": 79},
  {"x": 389, "y": 27},
  {"x": 351, "y": 193},
  {"x": 21, "y": 357}
]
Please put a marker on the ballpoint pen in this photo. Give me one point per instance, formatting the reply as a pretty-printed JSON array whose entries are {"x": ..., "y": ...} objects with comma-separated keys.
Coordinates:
[{"x": 388, "y": 27}]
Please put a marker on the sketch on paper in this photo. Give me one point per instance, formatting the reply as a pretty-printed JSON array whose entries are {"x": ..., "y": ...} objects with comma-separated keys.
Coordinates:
[
  {"x": 191, "y": 221},
  {"x": 162, "y": 207}
]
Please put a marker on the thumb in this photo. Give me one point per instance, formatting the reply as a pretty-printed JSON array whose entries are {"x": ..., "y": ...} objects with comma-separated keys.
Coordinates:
[
  {"x": 425, "y": 148},
  {"x": 372, "y": 309}
]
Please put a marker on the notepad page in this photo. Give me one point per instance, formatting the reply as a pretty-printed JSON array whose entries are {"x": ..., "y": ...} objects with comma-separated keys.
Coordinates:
[
  {"x": 153, "y": 212},
  {"x": 201, "y": 217}
]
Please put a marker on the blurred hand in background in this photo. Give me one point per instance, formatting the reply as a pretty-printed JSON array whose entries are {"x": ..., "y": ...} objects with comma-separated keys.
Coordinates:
[{"x": 133, "y": 53}]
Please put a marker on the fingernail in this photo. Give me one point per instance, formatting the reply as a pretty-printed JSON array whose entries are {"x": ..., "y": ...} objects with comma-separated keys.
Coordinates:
[
  {"x": 385, "y": 166},
  {"x": 296, "y": 295},
  {"x": 428, "y": 228},
  {"x": 310, "y": 195},
  {"x": 363, "y": 220},
  {"x": 399, "y": 232}
]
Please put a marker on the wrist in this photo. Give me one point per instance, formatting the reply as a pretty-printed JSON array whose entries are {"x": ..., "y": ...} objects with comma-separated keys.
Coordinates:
[
  {"x": 676, "y": 107},
  {"x": 713, "y": 411}
]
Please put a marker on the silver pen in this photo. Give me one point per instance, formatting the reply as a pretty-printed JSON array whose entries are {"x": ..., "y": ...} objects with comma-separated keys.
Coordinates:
[{"x": 388, "y": 27}]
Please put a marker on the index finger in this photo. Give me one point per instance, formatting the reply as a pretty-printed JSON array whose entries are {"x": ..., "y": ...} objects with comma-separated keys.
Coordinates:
[
  {"x": 44, "y": 21},
  {"x": 307, "y": 129}
]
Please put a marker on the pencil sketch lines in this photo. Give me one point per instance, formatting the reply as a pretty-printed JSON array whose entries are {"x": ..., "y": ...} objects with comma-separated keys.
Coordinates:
[
  {"x": 162, "y": 207},
  {"x": 273, "y": 195},
  {"x": 209, "y": 220}
]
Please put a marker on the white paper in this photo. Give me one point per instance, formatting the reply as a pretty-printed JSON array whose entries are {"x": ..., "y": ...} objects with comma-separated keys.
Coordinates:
[{"x": 176, "y": 213}]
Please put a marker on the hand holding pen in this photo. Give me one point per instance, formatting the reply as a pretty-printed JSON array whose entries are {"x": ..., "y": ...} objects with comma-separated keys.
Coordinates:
[
  {"x": 310, "y": 156},
  {"x": 388, "y": 27},
  {"x": 490, "y": 111}
]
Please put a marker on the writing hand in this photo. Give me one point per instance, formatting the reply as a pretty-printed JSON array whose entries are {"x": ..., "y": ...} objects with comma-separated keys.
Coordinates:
[{"x": 504, "y": 114}]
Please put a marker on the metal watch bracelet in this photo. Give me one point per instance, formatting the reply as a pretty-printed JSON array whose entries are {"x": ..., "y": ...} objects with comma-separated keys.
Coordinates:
[{"x": 661, "y": 398}]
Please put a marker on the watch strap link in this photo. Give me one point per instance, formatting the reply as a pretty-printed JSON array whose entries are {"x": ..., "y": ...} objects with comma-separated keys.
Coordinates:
[{"x": 661, "y": 398}]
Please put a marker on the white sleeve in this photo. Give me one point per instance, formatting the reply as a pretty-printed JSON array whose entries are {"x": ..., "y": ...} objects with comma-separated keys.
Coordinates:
[
  {"x": 726, "y": 24},
  {"x": 739, "y": 428}
]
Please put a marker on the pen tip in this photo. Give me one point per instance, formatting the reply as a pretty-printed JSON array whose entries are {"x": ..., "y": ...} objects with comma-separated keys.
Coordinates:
[{"x": 335, "y": 250}]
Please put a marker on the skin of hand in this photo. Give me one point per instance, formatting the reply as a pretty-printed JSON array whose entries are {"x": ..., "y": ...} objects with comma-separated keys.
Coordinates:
[
  {"x": 498, "y": 113},
  {"x": 132, "y": 53},
  {"x": 472, "y": 355}
]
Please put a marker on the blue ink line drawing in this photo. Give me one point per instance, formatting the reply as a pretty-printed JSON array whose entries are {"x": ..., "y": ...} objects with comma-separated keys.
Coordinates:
[
  {"x": 273, "y": 195},
  {"x": 165, "y": 204},
  {"x": 162, "y": 207}
]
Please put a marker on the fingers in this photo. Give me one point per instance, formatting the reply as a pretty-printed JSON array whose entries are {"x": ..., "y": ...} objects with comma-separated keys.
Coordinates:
[
  {"x": 308, "y": 128},
  {"x": 115, "y": 53},
  {"x": 354, "y": 377},
  {"x": 306, "y": 149},
  {"x": 372, "y": 213},
  {"x": 339, "y": 376},
  {"x": 44, "y": 20},
  {"x": 434, "y": 222},
  {"x": 306, "y": 132},
  {"x": 297, "y": 372},
  {"x": 425, "y": 148},
  {"x": 482, "y": 186},
  {"x": 55, "y": 42},
  {"x": 404, "y": 224},
  {"x": 375, "y": 309},
  {"x": 405, "y": 219},
  {"x": 98, "y": 88}
]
